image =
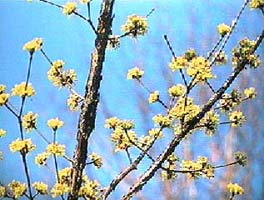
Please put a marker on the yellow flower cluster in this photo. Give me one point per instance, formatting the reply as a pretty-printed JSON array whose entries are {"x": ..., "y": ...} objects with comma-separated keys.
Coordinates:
[
  {"x": 243, "y": 54},
  {"x": 2, "y": 133},
  {"x": 162, "y": 120},
  {"x": 90, "y": 190},
  {"x": 2, "y": 191},
  {"x": 3, "y": 96},
  {"x": 241, "y": 157},
  {"x": 256, "y": 4},
  {"x": 41, "y": 158},
  {"x": 17, "y": 189},
  {"x": 178, "y": 63},
  {"x": 73, "y": 102},
  {"x": 153, "y": 97},
  {"x": 114, "y": 122},
  {"x": 23, "y": 91},
  {"x": 184, "y": 108},
  {"x": 223, "y": 29},
  {"x": 155, "y": 132},
  {"x": 56, "y": 149},
  {"x": 55, "y": 123},
  {"x": 250, "y": 93},
  {"x": 198, "y": 168},
  {"x": 235, "y": 189},
  {"x": 135, "y": 73},
  {"x": 59, "y": 189},
  {"x": 177, "y": 90},
  {"x": 170, "y": 165},
  {"x": 40, "y": 187},
  {"x": 61, "y": 78},
  {"x": 220, "y": 58},
  {"x": 135, "y": 25},
  {"x": 230, "y": 101},
  {"x": 65, "y": 175},
  {"x": 69, "y": 8},
  {"x": 236, "y": 118},
  {"x": 29, "y": 121},
  {"x": 209, "y": 122},
  {"x": 33, "y": 45},
  {"x": 23, "y": 146},
  {"x": 96, "y": 159}
]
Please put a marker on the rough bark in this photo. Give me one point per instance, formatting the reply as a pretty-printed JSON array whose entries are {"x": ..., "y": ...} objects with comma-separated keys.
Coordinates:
[{"x": 87, "y": 117}]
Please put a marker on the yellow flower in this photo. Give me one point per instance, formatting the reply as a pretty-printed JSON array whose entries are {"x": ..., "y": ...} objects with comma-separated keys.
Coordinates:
[
  {"x": 41, "y": 158},
  {"x": 69, "y": 8},
  {"x": 23, "y": 146},
  {"x": 96, "y": 159},
  {"x": 235, "y": 189},
  {"x": 135, "y": 25},
  {"x": 65, "y": 175},
  {"x": 56, "y": 149},
  {"x": 2, "y": 191},
  {"x": 55, "y": 123},
  {"x": 256, "y": 4},
  {"x": 220, "y": 58},
  {"x": 177, "y": 90},
  {"x": 85, "y": 1},
  {"x": 163, "y": 121},
  {"x": 3, "y": 98},
  {"x": 2, "y": 133},
  {"x": 135, "y": 73},
  {"x": 29, "y": 121},
  {"x": 73, "y": 102},
  {"x": 223, "y": 29},
  {"x": 90, "y": 190},
  {"x": 236, "y": 118},
  {"x": 112, "y": 122},
  {"x": 23, "y": 91},
  {"x": 33, "y": 45},
  {"x": 155, "y": 132},
  {"x": 17, "y": 189},
  {"x": 59, "y": 189},
  {"x": 40, "y": 187},
  {"x": 250, "y": 93},
  {"x": 178, "y": 63},
  {"x": 123, "y": 139},
  {"x": 153, "y": 97},
  {"x": 2, "y": 88}
]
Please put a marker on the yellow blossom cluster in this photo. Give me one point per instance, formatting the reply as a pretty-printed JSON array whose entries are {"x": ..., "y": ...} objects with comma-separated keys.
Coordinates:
[
  {"x": 155, "y": 132},
  {"x": 17, "y": 189},
  {"x": 235, "y": 189},
  {"x": 135, "y": 25},
  {"x": 220, "y": 58},
  {"x": 223, "y": 29},
  {"x": 135, "y": 73},
  {"x": 69, "y": 8},
  {"x": 59, "y": 189},
  {"x": 41, "y": 158},
  {"x": 162, "y": 120},
  {"x": 256, "y": 4},
  {"x": 65, "y": 175},
  {"x": 170, "y": 165},
  {"x": 177, "y": 90},
  {"x": 250, "y": 93},
  {"x": 73, "y": 102},
  {"x": 243, "y": 54},
  {"x": 241, "y": 157},
  {"x": 40, "y": 187},
  {"x": 33, "y": 45},
  {"x": 56, "y": 149},
  {"x": 153, "y": 97},
  {"x": 2, "y": 191},
  {"x": 210, "y": 122},
  {"x": 23, "y": 90},
  {"x": 90, "y": 190},
  {"x": 29, "y": 121},
  {"x": 23, "y": 146},
  {"x": 178, "y": 63},
  {"x": 55, "y": 123},
  {"x": 236, "y": 118},
  {"x": 2, "y": 133},
  {"x": 96, "y": 159},
  {"x": 230, "y": 101},
  {"x": 3, "y": 96},
  {"x": 60, "y": 78},
  {"x": 198, "y": 168}
]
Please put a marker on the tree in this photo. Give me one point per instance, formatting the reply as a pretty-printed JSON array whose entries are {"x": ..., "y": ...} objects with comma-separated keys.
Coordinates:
[{"x": 182, "y": 117}]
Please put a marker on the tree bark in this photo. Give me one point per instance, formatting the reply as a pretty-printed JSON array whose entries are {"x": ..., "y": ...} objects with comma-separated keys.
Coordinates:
[{"x": 87, "y": 117}]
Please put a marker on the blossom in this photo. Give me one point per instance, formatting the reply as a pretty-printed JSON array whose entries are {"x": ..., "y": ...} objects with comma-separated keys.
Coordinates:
[
  {"x": 24, "y": 146},
  {"x": 41, "y": 158},
  {"x": 65, "y": 175},
  {"x": 223, "y": 29},
  {"x": 40, "y": 187},
  {"x": 235, "y": 189},
  {"x": 2, "y": 133},
  {"x": 241, "y": 158},
  {"x": 33, "y": 45},
  {"x": 123, "y": 139},
  {"x": 210, "y": 123},
  {"x": 55, "y": 123},
  {"x": 236, "y": 118},
  {"x": 220, "y": 58},
  {"x": 256, "y": 4},
  {"x": 3, "y": 98},
  {"x": 73, "y": 102},
  {"x": 23, "y": 90},
  {"x": 135, "y": 25},
  {"x": 85, "y": 1},
  {"x": 155, "y": 132},
  {"x": 113, "y": 42},
  {"x": 17, "y": 189},
  {"x": 112, "y": 122},
  {"x": 29, "y": 121},
  {"x": 2, "y": 191},
  {"x": 90, "y": 190},
  {"x": 177, "y": 90},
  {"x": 59, "y": 189},
  {"x": 170, "y": 165},
  {"x": 56, "y": 149},
  {"x": 163, "y": 121},
  {"x": 250, "y": 93},
  {"x": 69, "y": 8},
  {"x": 178, "y": 63},
  {"x": 96, "y": 159},
  {"x": 135, "y": 73},
  {"x": 153, "y": 97}
]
